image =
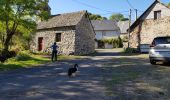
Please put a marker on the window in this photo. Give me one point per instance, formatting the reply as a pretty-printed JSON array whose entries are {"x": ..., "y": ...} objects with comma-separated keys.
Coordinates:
[
  {"x": 58, "y": 37},
  {"x": 157, "y": 14}
]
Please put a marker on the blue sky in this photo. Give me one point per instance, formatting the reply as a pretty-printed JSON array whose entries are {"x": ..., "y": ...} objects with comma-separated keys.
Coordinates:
[{"x": 102, "y": 7}]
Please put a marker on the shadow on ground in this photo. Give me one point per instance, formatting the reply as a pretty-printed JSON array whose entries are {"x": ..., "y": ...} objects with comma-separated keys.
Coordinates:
[
  {"x": 51, "y": 82},
  {"x": 99, "y": 78},
  {"x": 131, "y": 78}
]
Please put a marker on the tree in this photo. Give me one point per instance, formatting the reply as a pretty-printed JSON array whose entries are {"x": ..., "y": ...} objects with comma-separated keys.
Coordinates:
[
  {"x": 118, "y": 17},
  {"x": 168, "y": 4},
  {"x": 17, "y": 13},
  {"x": 96, "y": 17}
]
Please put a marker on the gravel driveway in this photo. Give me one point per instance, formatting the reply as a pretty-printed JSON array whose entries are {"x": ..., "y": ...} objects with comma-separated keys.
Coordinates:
[{"x": 94, "y": 80}]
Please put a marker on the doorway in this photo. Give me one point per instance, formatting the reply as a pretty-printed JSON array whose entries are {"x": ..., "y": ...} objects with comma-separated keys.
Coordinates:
[{"x": 40, "y": 43}]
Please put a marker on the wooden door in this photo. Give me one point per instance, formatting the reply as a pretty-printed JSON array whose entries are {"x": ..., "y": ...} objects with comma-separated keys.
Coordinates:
[{"x": 40, "y": 43}]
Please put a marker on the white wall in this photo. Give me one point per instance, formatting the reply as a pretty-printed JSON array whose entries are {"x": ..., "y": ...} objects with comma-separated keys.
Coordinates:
[
  {"x": 109, "y": 34},
  {"x": 164, "y": 11},
  {"x": 108, "y": 46}
]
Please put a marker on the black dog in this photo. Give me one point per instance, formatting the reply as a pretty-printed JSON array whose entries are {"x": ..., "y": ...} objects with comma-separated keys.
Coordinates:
[{"x": 72, "y": 70}]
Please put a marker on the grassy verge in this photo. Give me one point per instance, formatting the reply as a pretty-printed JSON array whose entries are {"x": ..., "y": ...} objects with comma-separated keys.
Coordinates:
[{"x": 26, "y": 60}]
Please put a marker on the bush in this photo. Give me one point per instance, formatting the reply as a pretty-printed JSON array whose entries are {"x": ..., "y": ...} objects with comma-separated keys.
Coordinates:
[
  {"x": 116, "y": 42},
  {"x": 130, "y": 50},
  {"x": 6, "y": 55},
  {"x": 125, "y": 39},
  {"x": 23, "y": 55}
]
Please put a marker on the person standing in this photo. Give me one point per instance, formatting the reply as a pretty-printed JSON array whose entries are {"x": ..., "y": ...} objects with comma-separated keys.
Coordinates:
[{"x": 54, "y": 48}]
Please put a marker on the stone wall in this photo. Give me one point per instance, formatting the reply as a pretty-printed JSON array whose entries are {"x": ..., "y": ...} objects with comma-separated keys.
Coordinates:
[
  {"x": 75, "y": 40},
  {"x": 145, "y": 32},
  {"x": 66, "y": 46},
  {"x": 85, "y": 36}
]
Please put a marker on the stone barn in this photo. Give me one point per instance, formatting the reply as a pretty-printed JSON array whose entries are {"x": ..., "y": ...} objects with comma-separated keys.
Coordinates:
[
  {"x": 154, "y": 22},
  {"x": 73, "y": 33}
]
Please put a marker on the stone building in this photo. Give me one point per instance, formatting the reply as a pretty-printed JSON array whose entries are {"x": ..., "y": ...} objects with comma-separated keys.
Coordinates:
[
  {"x": 73, "y": 33},
  {"x": 154, "y": 22},
  {"x": 105, "y": 29},
  {"x": 124, "y": 25}
]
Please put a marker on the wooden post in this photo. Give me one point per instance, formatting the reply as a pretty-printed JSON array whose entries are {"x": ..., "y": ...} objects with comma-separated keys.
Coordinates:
[{"x": 130, "y": 13}]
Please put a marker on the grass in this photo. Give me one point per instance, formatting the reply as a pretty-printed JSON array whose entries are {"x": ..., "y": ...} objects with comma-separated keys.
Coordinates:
[
  {"x": 27, "y": 60},
  {"x": 64, "y": 57},
  {"x": 23, "y": 62}
]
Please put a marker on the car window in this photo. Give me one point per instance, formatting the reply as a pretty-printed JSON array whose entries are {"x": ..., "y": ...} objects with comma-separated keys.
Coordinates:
[{"x": 165, "y": 40}]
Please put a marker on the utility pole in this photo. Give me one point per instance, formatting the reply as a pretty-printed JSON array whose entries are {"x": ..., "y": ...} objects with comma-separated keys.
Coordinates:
[
  {"x": 136, "y": 14},
  {"x": 130, "y": 15}
]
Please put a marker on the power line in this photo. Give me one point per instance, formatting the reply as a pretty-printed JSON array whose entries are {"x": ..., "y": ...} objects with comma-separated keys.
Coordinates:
[
  {"x": 130, "y": 4},
  {"x": 91, "y": 6},
  {"x": 85, "y": 4}
]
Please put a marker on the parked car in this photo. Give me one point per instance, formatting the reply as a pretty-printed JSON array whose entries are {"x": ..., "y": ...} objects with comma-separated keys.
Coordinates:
[{"x": 160, "y": 50}]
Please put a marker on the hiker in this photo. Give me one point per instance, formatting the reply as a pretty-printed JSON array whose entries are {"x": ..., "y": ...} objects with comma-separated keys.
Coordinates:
[{"x": 54, "y": 48}]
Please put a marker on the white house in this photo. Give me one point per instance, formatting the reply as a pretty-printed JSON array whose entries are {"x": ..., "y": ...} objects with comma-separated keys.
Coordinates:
[{"x": 105, "y": 29}]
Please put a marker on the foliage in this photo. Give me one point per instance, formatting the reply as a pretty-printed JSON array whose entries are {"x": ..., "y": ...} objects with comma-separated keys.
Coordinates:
[
  {"x": 130, "y": 50},
  {"x": 125, "y": 39},
  {"x": 168, "y": 4},
  {"x": 96, "y": 17},
  {"x": 23, "y": 56},
  {"x": 20, "y": 13},
  {"x": 23, "y": 60},
  {"x": 118, "y": 17},
  {"x": 4, "y": 55},
  {"x": 116, "y": 42}
]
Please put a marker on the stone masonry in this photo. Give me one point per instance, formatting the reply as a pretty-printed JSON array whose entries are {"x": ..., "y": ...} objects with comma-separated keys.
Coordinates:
[
  {"x": 77, "y": 38},
  {"x": 85, "y": 37},
  {"x": 147, "y": 30},
  {"x": 66, "y": 46}
]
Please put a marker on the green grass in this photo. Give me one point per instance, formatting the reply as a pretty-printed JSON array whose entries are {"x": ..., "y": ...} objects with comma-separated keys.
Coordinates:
[
  {"x": 23, "y": 62},
  {"x": 26, "y": 60},
  {"x": 64, "y": 57}
]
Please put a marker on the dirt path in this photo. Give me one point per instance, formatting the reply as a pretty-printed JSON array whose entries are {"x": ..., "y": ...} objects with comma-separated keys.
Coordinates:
[
  {"x": 107, "y": 76},
  {"x": 50, "y": 82}
]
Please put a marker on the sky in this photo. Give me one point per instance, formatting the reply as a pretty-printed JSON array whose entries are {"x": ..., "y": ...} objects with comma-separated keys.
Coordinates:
[{"x": 105, "y": 8}]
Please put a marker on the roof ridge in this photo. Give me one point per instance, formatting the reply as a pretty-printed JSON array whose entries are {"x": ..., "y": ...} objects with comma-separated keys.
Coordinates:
[
  {"x": 134, "y": 24},
  {"x": 83, "y": 11},
  {"x": 65, "y": 19}
]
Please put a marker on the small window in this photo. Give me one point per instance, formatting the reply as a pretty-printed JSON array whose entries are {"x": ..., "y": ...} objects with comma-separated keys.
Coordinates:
[
  {"x": 58, "y": 37},
  {"x": 157, "y": 14}
]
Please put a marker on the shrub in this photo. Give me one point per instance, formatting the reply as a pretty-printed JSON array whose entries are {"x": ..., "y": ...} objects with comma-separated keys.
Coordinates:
[
  {"x": 23, "y": 55},
  {"x": 116, "y": 42},
  {"x": 130, "y": 50},
  {"x": 6, "y": 55},
  {"x": 125, "y": 39}
]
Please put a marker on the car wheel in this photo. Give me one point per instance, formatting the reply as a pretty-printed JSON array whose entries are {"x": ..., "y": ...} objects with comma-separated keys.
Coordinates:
[{"x": 153, "y": 62}]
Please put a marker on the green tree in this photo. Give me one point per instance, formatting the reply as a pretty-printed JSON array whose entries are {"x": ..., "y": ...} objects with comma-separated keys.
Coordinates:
[
  {"x": 96, "y": 17},
  {"x": 17, "y": 13},
  {"x": 118, "y": 17},
  {"x": 168, "y": 4}
]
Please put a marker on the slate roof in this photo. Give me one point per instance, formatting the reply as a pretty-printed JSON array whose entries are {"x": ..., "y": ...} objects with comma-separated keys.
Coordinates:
[
  {"x": 124, "y": 25},
  {"x": 101, "y": 25},
  {"x": 62, "y": 20}
]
